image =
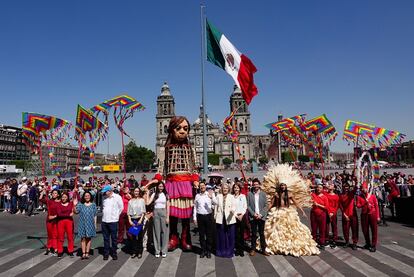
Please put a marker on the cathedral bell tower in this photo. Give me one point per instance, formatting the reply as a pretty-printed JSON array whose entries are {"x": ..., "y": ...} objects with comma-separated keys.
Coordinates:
[
  {"x": 242, "y": 124},
  {"x": 165, "y": 111}
]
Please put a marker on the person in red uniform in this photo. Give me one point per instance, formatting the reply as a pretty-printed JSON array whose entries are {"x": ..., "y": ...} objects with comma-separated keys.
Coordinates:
[
  {"x": 64, "y": 215},
  {"x": 349, "y": 215},
  {"x": 394, "y": 193},
  {"x": 318, "y": 215},
  {"x": 123, "y": 223},
  {"x": 369, "y": 217},
  {"x": 51, "y": 223},
  {"x": 333, "y": 204}
]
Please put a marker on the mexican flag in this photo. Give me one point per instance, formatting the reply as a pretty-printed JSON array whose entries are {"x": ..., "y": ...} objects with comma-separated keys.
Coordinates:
[{"x": 221, "y": 52}]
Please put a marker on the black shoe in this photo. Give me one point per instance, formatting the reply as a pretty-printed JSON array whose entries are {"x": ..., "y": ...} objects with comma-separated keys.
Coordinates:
[
  {"x": 333, "y": 245},
  {"x": 346, "y": 245},
  {"x": 71, "y": 255},
  {"x": 241, "y": 253},
  {"x": 321, "y": 247},
  {"x": 105, "y": 258},
  {"x": 133, "y": 256},
  {"x": 139, "y": 256},
  {"x": 372, "y": 249},
  {"x": 236, "y": 253},
  {"x": 354, "y": 247},
  {"x": 114, "y": 257},
  {"x": 367, "y": 246},
  {"x": 47, "y": 252},
  {"x": 60, "y": 255},
  {"x": 203, "y": 254},
  {"x": 208, "y": 255}
]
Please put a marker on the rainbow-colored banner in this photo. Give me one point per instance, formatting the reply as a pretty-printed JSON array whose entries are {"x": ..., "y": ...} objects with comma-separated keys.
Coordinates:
[
  {"x": 320, "y": 126},
  {"x": 290, "y": 129}
]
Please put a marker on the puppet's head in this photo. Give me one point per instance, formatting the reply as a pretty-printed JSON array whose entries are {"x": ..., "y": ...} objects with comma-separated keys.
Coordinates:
[{"x": 178, "y": 130}]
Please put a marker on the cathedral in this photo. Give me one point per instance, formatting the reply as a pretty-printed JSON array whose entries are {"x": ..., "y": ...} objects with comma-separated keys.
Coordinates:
[{"x": 250, "y": 146}]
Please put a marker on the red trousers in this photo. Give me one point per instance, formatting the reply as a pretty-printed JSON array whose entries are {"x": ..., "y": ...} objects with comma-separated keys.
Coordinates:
[
  {"x": 369, "y": 221},
  {"x": 318, "y": 224},
  {"x": 65, "y": 226},
  {"x": 52, "y": 234},
  {"x": 333, "y": 223},
  {"x": 123, "y": 226},
  {"x": 351, "y": 224}
]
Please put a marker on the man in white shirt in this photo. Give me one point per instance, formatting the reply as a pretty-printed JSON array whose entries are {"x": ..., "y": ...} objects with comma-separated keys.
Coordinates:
[
  {"x": 22, "y": 196},
  {"x": 112, "y": 208},
  {"x": 203, "y": 218}
]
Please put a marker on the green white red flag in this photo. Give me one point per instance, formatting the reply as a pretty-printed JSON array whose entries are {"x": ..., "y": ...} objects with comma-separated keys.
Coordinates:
[{"x": 221, "y": 52}]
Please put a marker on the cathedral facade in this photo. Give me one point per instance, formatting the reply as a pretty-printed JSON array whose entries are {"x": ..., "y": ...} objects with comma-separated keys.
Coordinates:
[{"x": 250, "y": 146}]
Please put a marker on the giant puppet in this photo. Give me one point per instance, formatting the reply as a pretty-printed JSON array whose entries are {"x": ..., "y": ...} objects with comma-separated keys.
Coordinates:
[{"x": 180, "y": 175}]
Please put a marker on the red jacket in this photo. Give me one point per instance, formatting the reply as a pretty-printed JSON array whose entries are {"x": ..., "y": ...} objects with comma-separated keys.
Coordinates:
[
  {"x": 333, "y": 203},
  {"x": 347, "y": 204},
  {"x": 322, "y": 200},
  {"x": 368, "y": 205}
]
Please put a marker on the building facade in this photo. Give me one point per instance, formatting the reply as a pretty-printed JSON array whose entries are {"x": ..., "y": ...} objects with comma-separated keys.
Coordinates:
[
  {"x": 12, "y": 147},
  {"x": 250, "y": 146}
]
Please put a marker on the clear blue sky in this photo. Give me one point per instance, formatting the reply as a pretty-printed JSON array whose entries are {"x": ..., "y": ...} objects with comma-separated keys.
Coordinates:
[{"x": 348, "y": 59}]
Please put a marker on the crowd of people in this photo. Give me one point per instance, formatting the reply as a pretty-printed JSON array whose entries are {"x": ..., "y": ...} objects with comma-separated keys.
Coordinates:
[{"x": 226, "y": 213}]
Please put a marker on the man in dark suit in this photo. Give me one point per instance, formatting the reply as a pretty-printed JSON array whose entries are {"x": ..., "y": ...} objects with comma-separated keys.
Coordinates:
[{"x": 258, "y": 208}]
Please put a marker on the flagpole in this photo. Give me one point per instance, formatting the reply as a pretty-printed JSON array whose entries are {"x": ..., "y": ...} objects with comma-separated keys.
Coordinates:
[{"x": 202, "y": 22}]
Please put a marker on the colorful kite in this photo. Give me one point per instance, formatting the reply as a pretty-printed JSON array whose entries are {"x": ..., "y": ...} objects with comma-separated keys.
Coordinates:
[
  {"x": 290, "y": 129},
  {"x": 88, "y": 126},
  {"x": 228, "y": 128},
  {"x": 40, "y": 129},
  {"x": 367, "y": 135},
  {"x": 320, "y": 126},
  {"x": 124, "y": 108}
]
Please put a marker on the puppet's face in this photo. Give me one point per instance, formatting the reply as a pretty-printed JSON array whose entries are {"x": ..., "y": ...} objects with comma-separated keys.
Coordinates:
[{"x": 181, "y": 131}]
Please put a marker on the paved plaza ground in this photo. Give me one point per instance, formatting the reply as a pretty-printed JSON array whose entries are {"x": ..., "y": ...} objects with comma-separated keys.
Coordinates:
[{"x": 22, "y": 239}]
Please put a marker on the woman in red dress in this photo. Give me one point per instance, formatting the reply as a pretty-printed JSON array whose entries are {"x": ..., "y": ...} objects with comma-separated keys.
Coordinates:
[
  {"x": 51, "y": 223},
  {"x": 64, "y": 214}
]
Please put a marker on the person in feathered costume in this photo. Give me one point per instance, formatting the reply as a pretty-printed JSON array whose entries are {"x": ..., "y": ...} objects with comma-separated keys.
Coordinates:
[{"x": 287, "y": 191}]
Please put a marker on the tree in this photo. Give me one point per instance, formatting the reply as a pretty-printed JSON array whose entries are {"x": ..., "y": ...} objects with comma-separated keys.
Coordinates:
[
  {"x": 303, "y": 158},
  {"x": 263, "y": 160},
  {"x": 214, "y": 159},
  {"x": 138, "y": 158},
  {"x": 20, "y": 164},
  {"x": 227, "y": 161},
  {"x": 287, "y": 157}
]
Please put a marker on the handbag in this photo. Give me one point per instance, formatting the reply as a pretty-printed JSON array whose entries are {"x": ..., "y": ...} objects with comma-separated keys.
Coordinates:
[{"x": 135, "y": 229}]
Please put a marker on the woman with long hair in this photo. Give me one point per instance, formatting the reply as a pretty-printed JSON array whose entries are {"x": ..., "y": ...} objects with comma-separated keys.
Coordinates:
[
  {"x": 87, "y": 222},
  {"x": 64, "y": 214},
  {"x": 225, "y": 210},
  {"x": 241, "y": 207},
  {"x": 51, "y": 222},
  {"x": 284, "y": 232},
  {"x": 136, "y": 216},
  {"x": 161, "y": 219}
]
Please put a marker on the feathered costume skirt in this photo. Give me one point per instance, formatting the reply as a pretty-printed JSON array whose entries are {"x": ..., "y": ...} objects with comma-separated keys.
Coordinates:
[{"x": 285, "y": 234}]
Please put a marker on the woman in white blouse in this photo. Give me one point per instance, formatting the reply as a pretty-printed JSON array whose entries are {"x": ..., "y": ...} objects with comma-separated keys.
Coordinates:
[
  {"x": 225, "y": 211},
  {"x": 136, "y": 215},
  {"x": 241, "y": 207},
  {"x": 161, "y": 220}
]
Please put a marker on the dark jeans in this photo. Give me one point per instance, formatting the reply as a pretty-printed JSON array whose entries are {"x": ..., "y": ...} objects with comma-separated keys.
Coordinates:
[
  {"x": 240, "y": 226},
  {"x": 30, "y": 207},
  {"x": 205, "y": 229},
  {"x": 136, "y": 243},
  {"x": 258, "y": 225},
  {"x": 110, "y": 233},
  {"x": 22, "y": 203},
  {"x": 13, "y": 205}
]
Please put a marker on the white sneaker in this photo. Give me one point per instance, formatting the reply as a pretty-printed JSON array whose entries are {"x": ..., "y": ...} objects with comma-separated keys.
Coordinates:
[
  {"x": 164, "y": 255},
  {"x": 18, "y": 212},
  {"x": 157, "y": 255},
  {"x": 23, "y": 212}
]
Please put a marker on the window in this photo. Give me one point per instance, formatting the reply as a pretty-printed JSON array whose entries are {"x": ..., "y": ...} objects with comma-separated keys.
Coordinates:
[
  {"x": 241, "y": 129},
  {"x": 165, "y": 129}
]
